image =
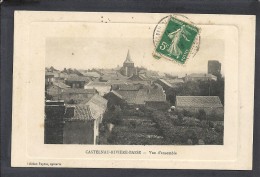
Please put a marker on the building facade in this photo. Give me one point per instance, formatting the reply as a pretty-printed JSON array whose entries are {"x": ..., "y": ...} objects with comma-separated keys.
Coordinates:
[{"x": 70, "y": 124}]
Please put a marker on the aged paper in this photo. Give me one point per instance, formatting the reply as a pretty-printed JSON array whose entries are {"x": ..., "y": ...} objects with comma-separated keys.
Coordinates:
[{"x": 131, "y": 90}]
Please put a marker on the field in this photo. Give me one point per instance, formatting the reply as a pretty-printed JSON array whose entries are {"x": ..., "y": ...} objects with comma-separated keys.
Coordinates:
[{"x": 153, "y": 127}]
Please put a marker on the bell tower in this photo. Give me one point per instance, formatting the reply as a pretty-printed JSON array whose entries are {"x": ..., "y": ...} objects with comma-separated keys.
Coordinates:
[{"x": 128, "y": 68}]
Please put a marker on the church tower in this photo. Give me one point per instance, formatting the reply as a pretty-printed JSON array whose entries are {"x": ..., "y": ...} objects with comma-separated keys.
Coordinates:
[{"x": 128, "y": 68}]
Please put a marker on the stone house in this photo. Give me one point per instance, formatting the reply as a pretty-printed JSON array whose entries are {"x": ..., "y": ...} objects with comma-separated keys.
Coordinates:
[
  {"x": 70, "y": 124},
  {"x": 56, "y": 88},
  {"x": 75, "y": 81},
  {"x": 82, "y": 127},
  {"x": 97, "y": 105}
]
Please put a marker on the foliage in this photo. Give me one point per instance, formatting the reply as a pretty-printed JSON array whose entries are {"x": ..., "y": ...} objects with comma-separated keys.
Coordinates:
[
  {"x": 180, "y": 116},
  {"x": 163, "y": 128},
  {"x": 213, "y": 116},
  {"x": 189, "y": 131},
  {"x": 202, "y": 115},
  {"x": 197, "y": 88},
  {"x": 219, "y": 128},
  {"x": 192, "y": 135},
  {"x": 187, "y": 113},
  {"x": 113, "y": 116},
  {"x": 71, "y": 71}
]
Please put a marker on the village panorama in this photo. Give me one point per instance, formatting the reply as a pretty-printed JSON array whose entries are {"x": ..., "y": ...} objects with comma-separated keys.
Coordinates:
[{"x": 131, "y": 105}]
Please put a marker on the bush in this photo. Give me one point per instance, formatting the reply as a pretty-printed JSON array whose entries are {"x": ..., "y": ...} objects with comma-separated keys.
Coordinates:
[
  {"x": 113, "y": 116},
  {"x": 180, "y": 116},
  {"x": 219, "y": 128},
  {"x": 186, "y": 113},
  {"x": 112, "y": 138},
  {"x": 215, "y": 117},
  {"x": 133, "y": 124},
  {"x": 202, "y": 115},
  {"x": 211, "y": 124},
  {"x": 189, "y": 121},
  {"x": 191, "y": 135}
]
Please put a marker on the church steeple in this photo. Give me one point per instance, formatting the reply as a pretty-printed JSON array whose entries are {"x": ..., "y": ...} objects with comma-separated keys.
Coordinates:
[
  {"x": 128, "y": 58},
  {"x": 128, "y": 68}
]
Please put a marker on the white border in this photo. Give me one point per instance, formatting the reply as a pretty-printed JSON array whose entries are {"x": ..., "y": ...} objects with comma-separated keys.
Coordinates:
[{"x": 28, "y": 85}]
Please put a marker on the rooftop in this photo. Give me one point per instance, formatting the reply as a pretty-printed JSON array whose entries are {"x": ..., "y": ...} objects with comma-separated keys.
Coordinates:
[
  {"x": 93, "y": 83},
  {"x": 201, "y": 75},
  {"x": 82, "y": 91},
  {"x": 75, "y": 77},
  {"x": 61, "y": 85},
  {"x": 91, "y": 74},
  {"x": 141, "y": 95},
  {"x": 81, "y": 112},
  {"x": 198, "y": 101},
  {"x": 96, "y": 99}
]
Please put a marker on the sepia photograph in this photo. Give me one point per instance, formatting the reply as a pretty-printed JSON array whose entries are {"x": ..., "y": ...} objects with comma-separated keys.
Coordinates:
[{"x": 121, "y": 99}]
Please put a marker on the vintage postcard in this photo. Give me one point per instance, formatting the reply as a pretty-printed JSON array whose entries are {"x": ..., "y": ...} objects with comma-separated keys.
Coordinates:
[{"x": 133, "y": 90}]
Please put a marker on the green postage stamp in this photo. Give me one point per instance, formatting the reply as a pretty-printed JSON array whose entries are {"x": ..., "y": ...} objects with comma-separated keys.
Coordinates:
[{"x": 177, "y": 41}]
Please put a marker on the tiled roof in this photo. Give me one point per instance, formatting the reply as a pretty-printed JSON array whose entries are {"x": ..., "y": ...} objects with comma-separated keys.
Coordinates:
[
  {"x": 75, "y": 77},
  {"x": 107, "y": 84},
  {"x": 113, "y": 76},
  {"x": 139, "y": 77},
  {"x": 175, "y": 81},
  {"x": 201, "y": 75},
  {"x": 156, "y": 94},
  {"x": 198, "y": 101},
  {"x": 165, "y": 82},
  {"x": 113, "y": 82},
  {"x": 96, "y": 99},
  {"x": 61, "y": 85},
  {"x": 129, "y": 96},
  {"x": 82, "y": 112},
  {"x": 75, "y": 90},
  {"x": 91, "y": 73},
  {"x": 117, "y": 94},
  {"x": 128, "y": 87},
  {"x": 142, "y": 95}
]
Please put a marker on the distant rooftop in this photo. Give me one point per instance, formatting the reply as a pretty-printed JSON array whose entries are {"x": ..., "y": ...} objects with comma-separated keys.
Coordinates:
[
  {"x": 82, "y": 91},
  {"x": 198, "y": 101},
  {"x": 61, "y": 85}
]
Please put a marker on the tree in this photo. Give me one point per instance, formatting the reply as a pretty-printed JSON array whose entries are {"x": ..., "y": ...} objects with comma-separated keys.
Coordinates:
[
  {"x": 113, "y": 115},
  {"x": 171, "y": 95},
  {"x": 202, "y": 115}
]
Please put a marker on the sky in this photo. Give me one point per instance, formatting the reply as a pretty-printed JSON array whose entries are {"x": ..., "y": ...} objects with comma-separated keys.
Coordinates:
[{"x": 109, "y": 51}]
